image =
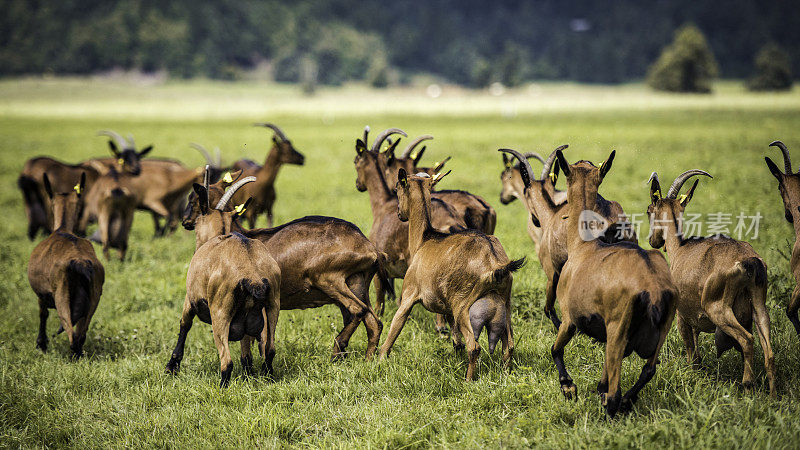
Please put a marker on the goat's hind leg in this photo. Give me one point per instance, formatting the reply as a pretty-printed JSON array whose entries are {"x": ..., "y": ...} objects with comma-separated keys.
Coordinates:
[
  {"x": 267, "y": 343},
  {"x": 187, "y": 317},
  {"x": 550, "y": 302},
  {"x": 407, "y": 302},
  {"x": 247, "y": 355},
  {"x": 647, "y": 373},
  {"x": 689, "y": 336},
  {"x": 793, "y": 307},
  {"x": 761, "y": 318},
  {"x": 565, "y": 332},
  {"x": 41, "y": 339}
]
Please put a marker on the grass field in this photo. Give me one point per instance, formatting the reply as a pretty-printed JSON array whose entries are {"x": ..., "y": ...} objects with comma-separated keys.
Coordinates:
[{"x": 118, "y": 395}]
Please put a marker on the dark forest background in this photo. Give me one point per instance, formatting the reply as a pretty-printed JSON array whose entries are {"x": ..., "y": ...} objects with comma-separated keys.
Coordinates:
[{"x": 467, "y": 42}]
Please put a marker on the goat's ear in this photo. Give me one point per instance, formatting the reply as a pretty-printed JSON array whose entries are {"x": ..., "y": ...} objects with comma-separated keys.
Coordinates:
[
  {"x": 506, "y": 161},
  {"x": 81, "y": 184},
  {"x": 417, "y": 156},
  {"x": 774, "y": 169},
  {"x": 47, "y": 187},
  {"x": 402, "y": 177},
  {"x": 239, "y": 210},
  {"x": 535, "y": 220},
  {"x": 361, "y": 147},
  {"x": 438, "y": 177},
  {"x": 113, "y": 147},
  {"x": 275, "y": 140},
  {"x": 145, "y": 151},
  {"x": 202, "y": 197},
  {"x": 562, "y": 162},
  {"x": 685, "y": 198},
  {"x": 439, "y": 165},
  {"x": 554, "y": 174},
  {"x": 655, "y": 191},
  {"x": 606, "y": 166}
]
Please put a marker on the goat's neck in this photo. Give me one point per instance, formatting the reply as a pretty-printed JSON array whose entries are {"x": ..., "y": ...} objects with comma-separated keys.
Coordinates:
[
  {"x": 673, "y": 231},
  {"x": 269, "y": 171},
  {"x": 63, "y": 218},
  {"x": 580, "y": 197},
  {"x": 419, "y": 216},
  {"x": 379, "y": 192},
  {"x": 795, "y": 222},
  {"x": 539, "y": 204}
]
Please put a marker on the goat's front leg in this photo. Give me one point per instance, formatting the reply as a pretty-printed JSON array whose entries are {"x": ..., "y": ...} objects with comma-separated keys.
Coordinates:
[
  {"x": 455, "y": 333},
  {"x": 793, "y": 307},
  {"x": 550, "y": 301},
  {"x": 441, "y": 326},
  {"x": 565, "y": 332},
  {"x": 689, "y": 336},
  {"x": 187, "y": 316}
]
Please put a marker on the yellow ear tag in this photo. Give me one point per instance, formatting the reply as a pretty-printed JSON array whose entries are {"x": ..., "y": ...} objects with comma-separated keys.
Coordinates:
[
  {"x": 657, "y": 194},
  {"x": 77, "y": 188},
  {"x": 553, "y": 177},
  {"x": 682, "y": 198},
  {"x": 227, "y": 178},
  {"x": 239, "y": 209},
  {"x": 121, "y": 162}
]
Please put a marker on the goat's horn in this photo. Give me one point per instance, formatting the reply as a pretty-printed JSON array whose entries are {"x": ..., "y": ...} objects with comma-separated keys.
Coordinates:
[
  {"x": 121, "y": 142},
  {"x": 385, "y": 134},
  {"x": 414, "y": 143},
  {"x": 678, "y": 183},
  {"x": 653, "y": 175},
  {"x": 131, "y": 142},
  {"x": 274, "y": 127},
  {"x": 217, "y": 157},
  {"x": 525, "y": 167},
  {"x": 548, "y": 165},
  {"x": 205, "y": 153},
  {"x": 366, "y": 134},
  {"x": 533, "y": 155},
  {"x": 787, "y": 161},
  {"x": 206, "y": 177},
  {"x": 232, "y": 190}
]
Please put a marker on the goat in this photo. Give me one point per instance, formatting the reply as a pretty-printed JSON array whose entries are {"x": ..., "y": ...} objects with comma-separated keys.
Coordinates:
[
  {"x": 789, "y": 188},
  {"x": 111, "y": 202},
  {"x": 323, "y": 260},
  {"x": 553, "y": 220},
  {"x": 475, "y": 211},
  {"x": 37, "y": 204},
  {"x": 389, "y": 234},
  {"x": 722, "y": 282},
  {"x": 233, "y": 284},
  {"x": 616, "y": 293},
  {"x": 64, "y": 271},
  {"x": 263, "y": 190},
  {"x": 464, "y": 276}
]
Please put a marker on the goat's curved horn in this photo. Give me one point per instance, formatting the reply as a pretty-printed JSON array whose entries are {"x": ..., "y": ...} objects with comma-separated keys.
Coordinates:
[
  {"x": 525, "y": 170},
  {"x": 366, "y": 133},
  {"x": 278, "y": 131},
  {"x": 382, "y": 137},
  {"x": 217, "y": 157},
  {"x": 678, "y": 183},
  {"x": 787, "y": 161},
  {"x": 533, "y": 155},
  {"x": 121, "y": 142},
  {"x": 131, "y": 142},
  {"x": 548, "y": 165},
  {"x": 206, "y": 177},
  {"x": 205, "y": 153},
  {"x": 414, "y": 143},
  {"x": 232, "y": 190},
  {"x": 653, "y": 175}
]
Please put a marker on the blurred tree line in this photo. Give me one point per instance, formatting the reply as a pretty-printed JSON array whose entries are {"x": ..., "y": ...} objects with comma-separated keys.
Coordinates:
[{"x": 465, "y": 41}]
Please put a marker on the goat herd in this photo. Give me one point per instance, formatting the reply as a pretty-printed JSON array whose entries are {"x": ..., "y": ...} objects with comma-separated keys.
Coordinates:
[{"x": 439, "y": 241}]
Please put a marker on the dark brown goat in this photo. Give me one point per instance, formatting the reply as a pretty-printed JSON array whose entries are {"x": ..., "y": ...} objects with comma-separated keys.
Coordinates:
[
  {"x": 233, "y": 284},
  {"x": 722, "y": 282},
  {"x": 789, "y": 187},
  {"x": 263, "y": 190},
  {"x": 615, "y": 293},
  {"x": 64, "y": 271},
  {"x": 111, "y": 203},
  {"x": 464, "y": 276},
  {"x": 323, "y": 260}
]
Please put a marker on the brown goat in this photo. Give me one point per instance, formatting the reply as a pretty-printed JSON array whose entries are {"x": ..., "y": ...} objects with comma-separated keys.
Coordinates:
[
  {"x": 722, "y": 282},
  {"x": 37, "y": 204},
  {"x": 789, "y": 187},
  {"x": 464, "y": 276},
  {"x": 233, "y": 284},
  {"x": 64, "y": 272},
  {"x": 389, "y": 234},
  {"x": 475, "y": 211},
  {"x": 111, "y": 202},
  {"x": 553, "y": 219},
  {"x": 323, "y": 260},
  {"x": 263, "y": 190},
  {"x": 615, "y": 293}
]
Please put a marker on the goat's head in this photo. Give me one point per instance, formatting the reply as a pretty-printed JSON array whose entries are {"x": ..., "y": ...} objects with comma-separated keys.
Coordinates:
[
  {"x": 522, "y": 170},
  {"x": 408, "y": 160},
  {"x": 670, "y": 207},
  {"x": 788, "y": 181},
  {"x": 214, "y": 192},
  {"x": 511, "y": 179},
  {"x": 583, "y": 177},
  {"x": 214, "y": 164},
  {"x": 128, "y": 158},
  {"x": 413, "y": 188},
  {"x": 367, "y": 159},
  {"x": 217, "y": 221},
  {"x": 283, "y": 146},
  {"x": 66, "y": 205}
]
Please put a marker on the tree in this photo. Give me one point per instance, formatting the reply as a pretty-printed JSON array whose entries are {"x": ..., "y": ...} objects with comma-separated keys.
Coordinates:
[
  {"x": 773, "y": 70},
  {"x": 686, "y": 65}
]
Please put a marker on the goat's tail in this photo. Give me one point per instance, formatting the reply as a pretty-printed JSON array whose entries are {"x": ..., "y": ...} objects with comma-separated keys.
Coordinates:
[
  {"x": 655, "y": 310},
  {"x": 383, "y": 276},
  {"x": 498, "y": 275},
  {"x": 752, "y": 269},
  {"x": 79, "y": 282},
  {"x": 258, "y": 290}
]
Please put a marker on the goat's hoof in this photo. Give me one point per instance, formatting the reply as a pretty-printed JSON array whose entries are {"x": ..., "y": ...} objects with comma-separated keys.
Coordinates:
[
  {"x": 602, "y": 389},
  {"x": 459, "y": 347},
  {"x": 42, "y": 345},
  {"x": 173, "y": 366},
  {"x": 626, "y": 405},
  {"x": 748, "y": 387},
  {"x": 569, "y": 390}
]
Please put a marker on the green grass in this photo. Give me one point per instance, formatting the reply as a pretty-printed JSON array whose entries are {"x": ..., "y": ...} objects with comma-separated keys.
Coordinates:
[{"x": 118, "y": 395}]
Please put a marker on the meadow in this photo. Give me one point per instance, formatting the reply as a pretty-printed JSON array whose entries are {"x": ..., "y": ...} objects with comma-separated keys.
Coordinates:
[{"x": 118, "y": 395}]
